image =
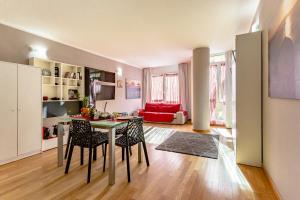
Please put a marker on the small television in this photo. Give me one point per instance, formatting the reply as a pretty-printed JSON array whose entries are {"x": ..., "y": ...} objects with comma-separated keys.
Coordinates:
[
  {"x": 99, "y": 85},
  {"x": 105, "y": 92},
  {"x": 62, "y": 108}
]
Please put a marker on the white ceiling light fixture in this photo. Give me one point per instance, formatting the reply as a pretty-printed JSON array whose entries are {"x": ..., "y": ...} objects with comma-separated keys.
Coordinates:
[
  {"x": 255, "y": 26},
  {"x": 119, "y": 72},
  {"x": 37, "y": 51}
]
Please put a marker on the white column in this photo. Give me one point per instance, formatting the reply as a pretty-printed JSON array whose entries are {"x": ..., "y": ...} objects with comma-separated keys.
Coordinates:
[{"x": 200, "y": 73}]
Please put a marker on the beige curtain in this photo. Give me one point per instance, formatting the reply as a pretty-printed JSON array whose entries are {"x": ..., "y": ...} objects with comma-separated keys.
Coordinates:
[
  {"x": 184, "y": 87},
  {"x": 146, "y": 86},
  {"x": 228, "y": 88}
]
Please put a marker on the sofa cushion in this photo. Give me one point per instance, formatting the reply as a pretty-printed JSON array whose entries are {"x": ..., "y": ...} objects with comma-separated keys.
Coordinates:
[
  {"x": 151, "y": 107},
  {"x": 157, "y": 116},
  {"x": 168, "y": 108}
]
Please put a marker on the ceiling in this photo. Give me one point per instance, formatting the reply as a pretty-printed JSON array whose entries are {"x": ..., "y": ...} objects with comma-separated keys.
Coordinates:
[{"x": 142, "y": 33}]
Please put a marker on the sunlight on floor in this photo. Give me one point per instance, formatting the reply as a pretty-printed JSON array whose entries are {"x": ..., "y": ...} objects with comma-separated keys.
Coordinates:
[
  {"x": 227, "y": 156},
  {"x": 234, "y": 171}
]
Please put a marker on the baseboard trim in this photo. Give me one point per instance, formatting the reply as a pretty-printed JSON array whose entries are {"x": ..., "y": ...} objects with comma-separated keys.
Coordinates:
[
  {"x": 19, "y": 157},
  {"x": 272, "y": 183}
]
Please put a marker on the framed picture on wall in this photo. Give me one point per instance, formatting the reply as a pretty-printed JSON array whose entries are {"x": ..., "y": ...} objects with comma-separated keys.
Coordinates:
[
  {"x": 119, "y": 84},
  {"x": 284, "y": 57},
  {"x": 133, "y": 89}
]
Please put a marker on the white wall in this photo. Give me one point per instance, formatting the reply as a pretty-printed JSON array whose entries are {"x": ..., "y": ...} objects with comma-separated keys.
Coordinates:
[
  {"x": 281, "y": 117},
  {"x": 14, "y": 47}
]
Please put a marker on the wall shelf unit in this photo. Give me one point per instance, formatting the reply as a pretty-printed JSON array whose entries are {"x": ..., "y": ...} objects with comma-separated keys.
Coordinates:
[{"x": 60, "y": 80}]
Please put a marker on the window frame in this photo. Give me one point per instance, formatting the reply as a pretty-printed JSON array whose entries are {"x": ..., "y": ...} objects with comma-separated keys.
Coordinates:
[{"x": 164, "y": 87}]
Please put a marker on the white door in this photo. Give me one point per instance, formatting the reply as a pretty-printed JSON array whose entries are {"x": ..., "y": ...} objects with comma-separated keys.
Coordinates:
[
  {"x": 29, "y": 109},
  {"x": 8, "y": 111}
]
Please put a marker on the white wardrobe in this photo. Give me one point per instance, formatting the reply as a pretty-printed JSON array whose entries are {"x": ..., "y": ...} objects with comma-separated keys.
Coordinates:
[
  {"x": 248, "y": 109},
  {"x": 20, "y": 108}
]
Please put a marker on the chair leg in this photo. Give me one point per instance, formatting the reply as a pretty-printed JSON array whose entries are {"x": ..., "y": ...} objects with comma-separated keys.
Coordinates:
[
  {"x": 128, "y": 164},
  {"x": 68, "y": 146},
  {"x": 69, "y": 158},
  {"x": 146, "y": 153},
  {"x": 105, "y": 151},
  {"x": 95, "y": 154},
  {"x": 123, "y": 153},
  {"x": 90, "y": 165},
  {"x": 130, "y": 151},
  {"x": 81, "y": 155}
]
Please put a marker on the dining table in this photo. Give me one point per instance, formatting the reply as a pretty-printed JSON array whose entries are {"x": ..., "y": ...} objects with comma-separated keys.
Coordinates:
[{"x": 111, "y": 126}]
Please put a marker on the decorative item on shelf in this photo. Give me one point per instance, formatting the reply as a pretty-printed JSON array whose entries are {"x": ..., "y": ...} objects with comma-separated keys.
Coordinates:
[
  {"x": 67, "y": 75},
  {"x": 55, "y": 131},
  {"x": 45, "y": 98},
  {"x": 46, "y": 72},
  {"x": 78, "y": 75},
  {"x": 55, "y": 98},
  {"x": 52, "y": 131},
  {"x": 46, "y": 133},
  {"x": 73, "y": 94},
  {"x": 73, "y": 75},
  {"x": 56, "y": 70}
]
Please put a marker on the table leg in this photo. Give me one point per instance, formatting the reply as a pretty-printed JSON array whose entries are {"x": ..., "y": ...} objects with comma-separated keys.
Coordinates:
[
  {"x": 140, "y": 152},
  {"x": 60, "y": 145},
  {"x": 111, "y": 141}
]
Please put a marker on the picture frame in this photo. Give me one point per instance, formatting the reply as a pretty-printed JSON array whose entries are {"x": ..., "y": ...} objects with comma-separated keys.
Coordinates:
[{"x": 133, "y": 89}]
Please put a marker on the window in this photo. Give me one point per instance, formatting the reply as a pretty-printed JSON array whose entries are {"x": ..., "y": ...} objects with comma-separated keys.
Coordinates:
[
  {"x": 165, "y": 88},
  {"x": 217, "y": 93},
  {"x": 157, "y": 89}
]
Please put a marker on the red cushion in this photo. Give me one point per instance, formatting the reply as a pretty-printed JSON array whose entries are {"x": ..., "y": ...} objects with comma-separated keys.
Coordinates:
[
  {"x": 157, "y": 116},
  {"x": 162, "y": 107},
  {"x": 151, "y": 107},
  {"x": 168, "y": 108}
]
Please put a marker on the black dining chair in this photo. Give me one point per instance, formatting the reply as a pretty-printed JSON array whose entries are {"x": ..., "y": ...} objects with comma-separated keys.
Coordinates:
[
  {"x": 119, "y": 132},
  {"x": 82, "y": 149},
  {"x": 133, "y": 135},
  {"x": 84, "y": 137}
]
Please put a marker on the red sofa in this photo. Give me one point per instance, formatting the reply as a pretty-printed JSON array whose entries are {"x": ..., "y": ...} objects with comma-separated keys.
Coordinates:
[{"x": 164, "y": 113}]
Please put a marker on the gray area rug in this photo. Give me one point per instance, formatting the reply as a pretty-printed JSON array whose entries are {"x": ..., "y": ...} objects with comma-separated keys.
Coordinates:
[{"x": 197, "y": 144}]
